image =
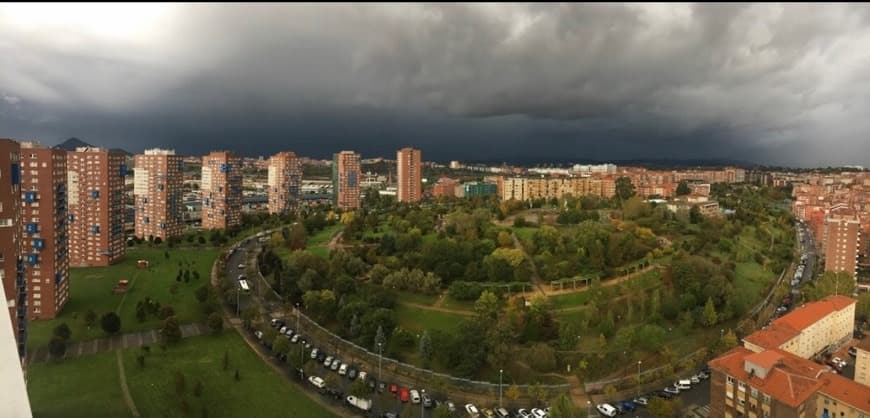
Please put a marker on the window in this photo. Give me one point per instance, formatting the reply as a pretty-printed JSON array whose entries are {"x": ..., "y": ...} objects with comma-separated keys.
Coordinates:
[
  {"x": 741, "y": 386},
  {"x": 766, "y": 399}
]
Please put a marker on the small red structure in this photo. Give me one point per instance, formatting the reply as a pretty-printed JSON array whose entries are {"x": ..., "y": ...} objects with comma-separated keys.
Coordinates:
[
  {"x": 121, "y": 287},
  {"x": 142, "y": 264}
]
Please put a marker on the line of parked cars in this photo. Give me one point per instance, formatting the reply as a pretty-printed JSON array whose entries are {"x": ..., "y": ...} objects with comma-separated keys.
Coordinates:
[{"x": 612, "y": 409}]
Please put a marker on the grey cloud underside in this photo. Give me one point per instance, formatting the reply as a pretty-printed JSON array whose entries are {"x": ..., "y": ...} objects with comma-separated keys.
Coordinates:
[{"x": 764, "y": 83}]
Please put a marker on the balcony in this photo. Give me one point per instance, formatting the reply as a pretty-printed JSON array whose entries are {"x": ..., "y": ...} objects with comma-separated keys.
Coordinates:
[
  {"x": 31, "y": 228},
  {"x": 33, "y": 259},
  {"x": 30, "y": 197}
]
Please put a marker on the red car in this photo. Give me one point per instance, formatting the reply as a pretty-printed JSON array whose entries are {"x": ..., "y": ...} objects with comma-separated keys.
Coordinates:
[
  {"x": 394, "y": 389},
  {"x": 403, "y": 394}
]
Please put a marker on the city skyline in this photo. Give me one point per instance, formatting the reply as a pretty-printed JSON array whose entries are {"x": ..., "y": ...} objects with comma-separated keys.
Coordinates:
[{"x": 468, "y": 82}]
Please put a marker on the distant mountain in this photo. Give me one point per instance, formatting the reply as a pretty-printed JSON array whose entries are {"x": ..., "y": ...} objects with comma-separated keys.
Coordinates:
[{"x": 73, "y": 143}]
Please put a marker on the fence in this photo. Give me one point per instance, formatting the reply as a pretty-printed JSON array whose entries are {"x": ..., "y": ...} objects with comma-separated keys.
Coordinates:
[
  {"x": 658, "y": 373},
  {"x": 438, "y": 382}
]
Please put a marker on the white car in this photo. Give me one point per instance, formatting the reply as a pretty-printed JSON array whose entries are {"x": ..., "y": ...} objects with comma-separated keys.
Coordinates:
[
  {"x": 314, "y": 354},
  {"x": 840, "y": 361},
  {"x": 472, "y": 410},
  {"x": 282, "y": 330},
  {"x": 259, "y": 335},
  {"x": 415, "y": 396},
  {"x": 606, "y": 409},
  {"x": 539, "y": 413},
  {"x": 362, "y": 376},
  {"x": 522, "y": 413},
  {"x": 681, "y": 386},
  {"x": 327, "y": 362},
  {"x": 241, "y": 266},
  {"x": 342, "y": 370},
  {"x": 317, "y": 382},
  {"x": 295, "y": 339}
]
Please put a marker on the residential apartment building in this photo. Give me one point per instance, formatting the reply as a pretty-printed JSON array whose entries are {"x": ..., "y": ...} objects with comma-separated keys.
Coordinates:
[
  {"x": 862, "y": 362},
  {"x": 158, "y": 191},
  {"x": 809, "y": 329},
  {"x": 445, "y": 186},
  {"x": 45, "y": 232},
  {"x": 221, "y": 187},
  {"x": 771, "y": 374},
  {"x": 12, "y": 268},
  {"x": 95, "y": 177},
  {"x": 478, "y": 189},
  {"x": 346, "y": 179},
  {"x": 410, "y": 172},
  {"x": 285, "y": 182},
  {"x": 842, "y": 242}
]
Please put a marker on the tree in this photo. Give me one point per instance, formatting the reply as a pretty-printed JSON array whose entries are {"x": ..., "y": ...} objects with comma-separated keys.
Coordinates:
[
  {"x": 62, "y": 331},
  {"x": 280, "y": 345},
  {"x": 441, "y": 411},
  {"x": 562, "y": 407},
  {"x": 359, "y": 388},
  {"x": 513, "y": 393},
  {"x": 661, "y": 408},
  {"x": 354, "y": 326},
  {"x": 505, "y": 240},
  {"x": 380, "y": 339},
  {"x": 695, "y": 216},
  {"x": 709, "y": 317},
  {"x": 542, "y": 358},
  {"x": 110, "y": 322},
  {"x": 624, "y": 188},
  {"x": 831, "y": 283},
  {"x": 486, "y": 307},
  {"x": 90, "y": 318},
  {"x": 57, "y": 346},
  {"x": 201, "y": 293},
  {"x": 426, "y": 348},
  {"x": 215, "y": 322},
  {"x": 171, "y": 331},
  {"x": 729, "y": 340},
  {"x": 683, "y": 188}
]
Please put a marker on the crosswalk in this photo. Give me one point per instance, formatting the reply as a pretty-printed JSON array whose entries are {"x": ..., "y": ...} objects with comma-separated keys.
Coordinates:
[{"x": 699, "y": 411}]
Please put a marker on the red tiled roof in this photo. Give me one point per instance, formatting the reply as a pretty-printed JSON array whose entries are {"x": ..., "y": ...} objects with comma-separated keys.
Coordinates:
[
  {"x": 775, "y": 335},
  {"x": 766, "y": 359},
  {"x": 792, "y": 380},
  {"x": 846, "y": 391}
]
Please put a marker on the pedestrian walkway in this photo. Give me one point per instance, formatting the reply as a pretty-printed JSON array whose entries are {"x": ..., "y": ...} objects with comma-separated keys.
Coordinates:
[{"x": 129, "y": 340}]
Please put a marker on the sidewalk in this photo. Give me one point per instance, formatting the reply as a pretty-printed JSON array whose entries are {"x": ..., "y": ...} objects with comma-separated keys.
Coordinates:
[{"x": 129, "y": 340}]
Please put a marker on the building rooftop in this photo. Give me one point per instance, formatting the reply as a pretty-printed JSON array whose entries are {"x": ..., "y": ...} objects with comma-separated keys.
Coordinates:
[
  {"x": 775, "y": 335},
  {"x": 791, "y": 379},
  {"x": 846, "y": 391},
  {"x": 808, "y": 314}
]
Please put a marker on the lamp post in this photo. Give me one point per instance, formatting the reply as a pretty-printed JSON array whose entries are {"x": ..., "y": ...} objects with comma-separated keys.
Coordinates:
[
  {"x": 422, "y": 392},
  {"x": 237, "y": 300},
  {"x": 588, "y": 408},
  {"x": 638, "y": 377},
  {"x": 500, "y": 373},
  {"x": 380, "y": 356}
]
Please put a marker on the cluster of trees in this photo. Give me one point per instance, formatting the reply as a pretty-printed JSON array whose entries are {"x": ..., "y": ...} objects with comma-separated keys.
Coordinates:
[{"x": 410, "y": 280}]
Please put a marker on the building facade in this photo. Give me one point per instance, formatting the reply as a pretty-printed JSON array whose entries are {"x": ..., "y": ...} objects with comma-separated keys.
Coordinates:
[
  {"x": 45, "y": 247},
  {"x": 158, "y": 191},
  {"x": 95, "y": 177},
  {"x": 12, "y": 268},
  {"x": 346, "y": 179},
  {"x": 410, "y": 173},
  {"x": 285, "y": 182},
  {"x": 842, "y": 240},
  {"x": 862, "y": 362},
  {"x": 221, "y": 187},
  {"x": 478, "y": 189},
  {"x": 771, "y": 374},
  {"x": 445, "y": 187}
]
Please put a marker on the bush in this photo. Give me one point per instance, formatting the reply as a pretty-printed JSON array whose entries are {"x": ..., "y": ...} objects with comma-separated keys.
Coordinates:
[
  {"x": 57, "y": 347},
  {"x": 111, "y": 323},
  {"x": 215, "y": 322},
  {"x": 465, "y": 290},
  {"x": 166, "y": 312},
  {"x": 62, "y": 331}
]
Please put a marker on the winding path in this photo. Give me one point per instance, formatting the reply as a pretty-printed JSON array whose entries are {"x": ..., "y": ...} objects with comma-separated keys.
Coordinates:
[{"x": 128, "y": 399}]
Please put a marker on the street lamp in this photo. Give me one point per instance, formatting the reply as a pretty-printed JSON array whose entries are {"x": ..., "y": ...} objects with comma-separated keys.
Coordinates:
[
  {"x": 237, "y": 300},
  {"x": 500, "y": 373},
  {"x": 422, "y": 392},
  {"x": 588, "y": 408},
  {"x": 638, "y": 377},
  {"x": 380, "y": 356}
]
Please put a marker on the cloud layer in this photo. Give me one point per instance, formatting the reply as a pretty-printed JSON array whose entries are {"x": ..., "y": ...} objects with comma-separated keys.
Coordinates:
[{"x": 764, "y": 82}]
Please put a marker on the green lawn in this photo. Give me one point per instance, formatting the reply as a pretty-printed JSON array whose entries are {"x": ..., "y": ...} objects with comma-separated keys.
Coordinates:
[
  {"x": 569, "y": 300},
  {"x": 751, "y": 280},
  {"x": 88, "y": 386},
  {"x": 322, "y": 237},
  {"x": 416, "y": 320},
  {"x": 91, "y": 288},
  {"x": 525, "y": 233}
]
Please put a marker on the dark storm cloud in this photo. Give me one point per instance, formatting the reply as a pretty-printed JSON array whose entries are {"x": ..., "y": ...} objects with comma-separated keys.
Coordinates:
[{"x": 764, "y": 82}]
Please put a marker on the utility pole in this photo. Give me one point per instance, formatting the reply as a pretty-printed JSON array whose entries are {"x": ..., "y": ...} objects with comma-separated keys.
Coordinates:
[
  {"x": 500, "y": 373},
  {"x": 380, "y": 356}
]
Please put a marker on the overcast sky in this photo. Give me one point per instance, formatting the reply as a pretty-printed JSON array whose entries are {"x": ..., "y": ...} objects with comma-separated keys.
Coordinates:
[{"x": 767, "y": 83}]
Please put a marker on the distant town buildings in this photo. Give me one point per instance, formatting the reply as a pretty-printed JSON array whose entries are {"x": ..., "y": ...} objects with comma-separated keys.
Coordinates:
[
  {"x": 771, "y": 374},
  {"x": 445, "y": 187},
  {"x": 45, "y": 247},
  {"x": 95, "y": 178},
  {"x": 285, "y": 182},
  {"x": 158, "y": 193},
  {"x": 346, "y": 179},
  {"x": 221, "y": 190},
  {"x": 410, "y": 175}
]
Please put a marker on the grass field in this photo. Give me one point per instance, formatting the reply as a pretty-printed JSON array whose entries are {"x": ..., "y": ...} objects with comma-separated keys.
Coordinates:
[
  {"x": 89, "y": 386},
  {"x": 91, "y": 288},
  {"x": 317, "y": 243},
  {"x": 417, "y": 320},
  {"x": 525, "y": 233}
]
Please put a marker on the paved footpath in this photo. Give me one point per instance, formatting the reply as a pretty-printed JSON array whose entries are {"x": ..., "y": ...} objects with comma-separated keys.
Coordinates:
[{"x": 129, "y": 340}]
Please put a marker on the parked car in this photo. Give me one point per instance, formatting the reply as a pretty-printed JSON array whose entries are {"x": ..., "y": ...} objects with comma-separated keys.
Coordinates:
[
  {"x": 295, "y": 338},
  {"x": 641, "y": 401},
  {"x": 394, "y": 389},
  {"x": 241, "y": 266},
  {"x": 522, "y": 413},
  {"x": 628, "y": 405},
  {"x": 415, "y": 396},
  {"x": 538, "y": 413},
  {"x": 841, "y": 362},
  {"x": 317, "y": 382},
  {"x": 684, "y": 384},
  {"x": 321, "y": 356},
  {"x": 351, "y": 373},
  {"x": 335, "y": 365},
  {"x": 695, "y": 379},
  {"x": 427, "y": 400},
  {"x": 487, "y": 413},
  {"x": 502, "y": 413},
  {"x": 703, "y": 375},
  {"x": 390, "y": 414},
  {"x": 314, "y": 353},
  {"x": 327, "y": 362},
  {"x": 672, "y": 390},
  {"x": 403, "y": 395},
  {"x": 274, "y": 322},
  {"x": 853, "y": 351},
  {"x": 259, "y": 335},
  {"x": 450, "y": 406},
  {"x": 606, "y": 409},
  {"x": 472, "y": 410},
  {"x": 282, "y": 330},
  {"x": 342, "y": 370}
]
